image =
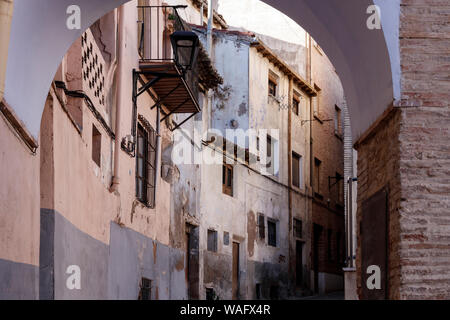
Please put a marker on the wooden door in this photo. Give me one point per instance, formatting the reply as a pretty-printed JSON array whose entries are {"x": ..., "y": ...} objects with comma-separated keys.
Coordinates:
[
  {"x": 235, "y": 270},
  {"x": 374, "y": 242}
]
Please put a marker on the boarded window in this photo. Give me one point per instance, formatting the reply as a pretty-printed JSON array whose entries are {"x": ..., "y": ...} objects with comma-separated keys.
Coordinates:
[
  {"x": 145, "y": 292},
  {"x": 261, "y": 226},
  {"x": 96, "y": 146},
  {"x": 212, "y": 240},
  {"x": 146, "y": 165},
  {"x": 272, "y": 233},
  {"x": 298, "y": 228}
]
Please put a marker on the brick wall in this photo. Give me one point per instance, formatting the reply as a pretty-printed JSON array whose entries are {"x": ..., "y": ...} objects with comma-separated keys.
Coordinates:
[
  {"x": 424, "y": 252},
  {"x": 378, "y": 167},
  {"x": 410, "y": 153}
]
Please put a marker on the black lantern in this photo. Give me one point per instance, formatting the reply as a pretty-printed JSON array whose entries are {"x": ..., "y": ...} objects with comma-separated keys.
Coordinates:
[{"x": 185, "y": 47}]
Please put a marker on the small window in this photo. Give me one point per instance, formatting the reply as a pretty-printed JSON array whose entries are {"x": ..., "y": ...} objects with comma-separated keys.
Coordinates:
[
  {"x": 272, "y": 88},
  {"x": 261, "y": 226},
  {"x": 146, "y": 165},
  {"x": 227, "y": 179},
  {"x": 273, "y": 83},
  {"x": 297, "y": 170},
  {"x": 337, "y": 121},
  {"x": 145, "y": 292},
  {"x": 296, "y": 105},
  {"x": 271, "y": 153},
  {"x": 226, "y": 238},
  {"x": 298, "y": 228},
  {"x": 317, "y": 165},
  {"x": 272, "y": 233},
  {"x": 212, "y": 240},
  {"x": 96, "y": 146}
]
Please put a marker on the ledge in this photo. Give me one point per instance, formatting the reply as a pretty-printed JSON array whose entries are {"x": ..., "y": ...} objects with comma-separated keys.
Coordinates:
[{"x": 18, "y": 126}]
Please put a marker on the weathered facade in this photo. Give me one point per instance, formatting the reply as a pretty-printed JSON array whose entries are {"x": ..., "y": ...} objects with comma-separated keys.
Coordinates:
[
  {"x": 402, "y": 156},
  {"x": 237, "y": 215},
  {"x": 85, "y": 181}
]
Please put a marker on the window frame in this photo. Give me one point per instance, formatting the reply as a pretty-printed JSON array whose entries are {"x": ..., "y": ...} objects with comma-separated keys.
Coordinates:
[
  {"x": 298, "y": 233},
  {"x": 215, "y": 240},
  {"x": 298, "y": 158},
  {"x": 316, "y": 177},
  {"x": 96, "y": 146},
  {"x": 272, "y": 239},
  {"x": 227, "y": 179},
  {"x": 261, "y": 226},
  {"x": 272, "y": 81},
  {"x": 149, "y": 162},
  {"x": 296, "y": 104}
]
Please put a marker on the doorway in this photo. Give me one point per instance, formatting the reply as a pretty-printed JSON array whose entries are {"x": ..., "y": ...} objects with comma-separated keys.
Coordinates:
[
  {"x": 187, "y": 268},
  {"x": 374, "y": 245},
  {"x": 299, "y": 264},
  {"x": 235, "y": 270},
  {"x": 316, "y": 247}
]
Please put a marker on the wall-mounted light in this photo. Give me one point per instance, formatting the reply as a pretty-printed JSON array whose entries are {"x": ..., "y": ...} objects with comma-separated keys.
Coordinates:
[{"x": 185, "y": 46}]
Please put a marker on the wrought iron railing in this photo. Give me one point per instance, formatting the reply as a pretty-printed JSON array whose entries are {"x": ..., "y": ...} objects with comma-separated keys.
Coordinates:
[{"x": 155, "y": 25}]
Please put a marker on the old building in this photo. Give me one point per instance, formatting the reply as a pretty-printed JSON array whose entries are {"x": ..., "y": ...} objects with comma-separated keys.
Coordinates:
[
  {"x": 395, "y": 76},
  {"x": 98, "y": 178},
  {"x": 253, "y": 226}
]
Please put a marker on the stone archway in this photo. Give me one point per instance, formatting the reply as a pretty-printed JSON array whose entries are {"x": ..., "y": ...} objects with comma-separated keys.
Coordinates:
[
  {"x": 362, "y": 57},
  {"x": 407, "y": 151}
]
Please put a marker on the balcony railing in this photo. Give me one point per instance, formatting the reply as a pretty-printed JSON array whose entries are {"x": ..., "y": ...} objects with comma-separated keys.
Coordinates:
[{"x": 155, "y": 25}]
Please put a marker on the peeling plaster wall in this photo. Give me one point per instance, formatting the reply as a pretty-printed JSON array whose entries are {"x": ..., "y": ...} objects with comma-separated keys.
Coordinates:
[
  {"x": 252, "y": 193},
  {"x": 231, "y": 100}
]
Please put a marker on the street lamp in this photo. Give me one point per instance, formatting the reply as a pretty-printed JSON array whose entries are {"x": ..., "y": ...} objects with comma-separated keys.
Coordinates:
[{"x": 185, "y": 46}]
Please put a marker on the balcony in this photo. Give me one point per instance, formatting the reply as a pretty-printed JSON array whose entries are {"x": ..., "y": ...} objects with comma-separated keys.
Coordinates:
[{"x": 176, "y": 85}]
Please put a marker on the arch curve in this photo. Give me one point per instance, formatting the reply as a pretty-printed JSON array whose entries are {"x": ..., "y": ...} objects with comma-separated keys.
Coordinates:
[{"x": 362, "y": 57}]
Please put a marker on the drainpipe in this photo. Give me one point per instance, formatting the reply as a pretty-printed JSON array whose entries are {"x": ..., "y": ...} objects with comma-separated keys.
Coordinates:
[
  {"x": 289, "y": 143},
  {"x": 202, "y": 10},
  {"x": 6, "y": 12},
  {"x": 119, "y": 56},
  {"x": 210, "y": 26},
  {"x": 207, "y": 114}
]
